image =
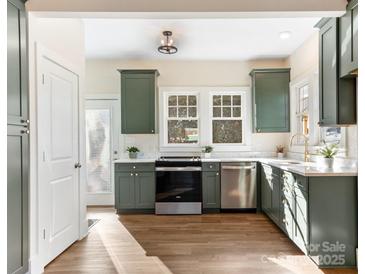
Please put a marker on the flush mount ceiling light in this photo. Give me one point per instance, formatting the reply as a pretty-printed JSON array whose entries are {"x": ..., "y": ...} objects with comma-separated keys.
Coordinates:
[
  {"x": 166, "y": 44},
  {"x": 285, "y": 35}
]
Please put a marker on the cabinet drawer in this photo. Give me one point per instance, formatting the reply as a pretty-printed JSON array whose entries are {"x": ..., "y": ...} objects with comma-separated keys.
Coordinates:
[
  {"x": 210, "y": 166},
  {"x": 132, "y": 167}
]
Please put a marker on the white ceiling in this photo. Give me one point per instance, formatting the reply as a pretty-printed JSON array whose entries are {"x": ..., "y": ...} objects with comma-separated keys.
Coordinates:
[{"x": 196, "y": 39}]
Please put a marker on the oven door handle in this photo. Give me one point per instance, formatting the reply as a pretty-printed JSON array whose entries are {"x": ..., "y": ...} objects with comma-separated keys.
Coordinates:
[{"x": 188, "y": 168}]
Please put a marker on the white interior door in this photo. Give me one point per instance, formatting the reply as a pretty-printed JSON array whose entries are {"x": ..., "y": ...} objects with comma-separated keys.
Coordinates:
[
  {"x": 58, "y": 152},
  {"x": 102, "y": 132}
]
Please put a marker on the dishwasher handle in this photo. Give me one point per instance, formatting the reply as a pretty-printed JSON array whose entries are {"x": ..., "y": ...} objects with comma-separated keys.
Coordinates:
[{"x": 238, "y": 167}]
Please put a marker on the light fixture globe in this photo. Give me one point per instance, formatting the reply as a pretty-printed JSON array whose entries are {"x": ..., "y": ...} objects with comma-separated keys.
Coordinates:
[{"x": 166, "y": 44}]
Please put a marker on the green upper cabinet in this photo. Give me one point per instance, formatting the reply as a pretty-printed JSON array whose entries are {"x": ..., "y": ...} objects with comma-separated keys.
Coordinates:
[
  {"x": 271, "y": 100},
  {"x": 139, "y": 101},
  {"x": 348, "y": 41},
  {"x": 337, "y": 96}
]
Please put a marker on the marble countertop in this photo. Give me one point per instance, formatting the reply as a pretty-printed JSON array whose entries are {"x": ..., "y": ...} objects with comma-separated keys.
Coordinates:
[
  {"x": 299, "y": 167},
  {"x": 139, "y": 160}
]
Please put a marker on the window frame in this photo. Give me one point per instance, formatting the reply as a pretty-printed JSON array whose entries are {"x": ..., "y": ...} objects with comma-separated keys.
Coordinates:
[
  {"x": 165, "y": 118},
  {"x": 204, "y": 112},
  {"x": 243, "y": 117}
]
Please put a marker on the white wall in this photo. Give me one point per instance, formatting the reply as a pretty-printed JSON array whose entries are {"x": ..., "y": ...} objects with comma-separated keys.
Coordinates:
[
  {"x": 65, "y": 37},
  {"x": 102, "y": 76}
]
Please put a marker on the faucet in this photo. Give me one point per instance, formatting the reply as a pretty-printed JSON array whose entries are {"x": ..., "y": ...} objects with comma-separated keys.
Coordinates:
[{"x": 306, "y": 140}]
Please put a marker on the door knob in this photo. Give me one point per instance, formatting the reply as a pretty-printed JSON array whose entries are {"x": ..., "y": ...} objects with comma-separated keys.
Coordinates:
[
  {"x": 77, "y": 165},
  {"x": 25, "y": 131}
]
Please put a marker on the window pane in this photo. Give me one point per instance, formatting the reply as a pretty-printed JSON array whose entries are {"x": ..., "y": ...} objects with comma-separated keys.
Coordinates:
[
  {"x": 217, "y": 112},
  {"x": 192, "y": 111},
  {"x": 227, "y": 100},
  {"x": 192, "y": 100},
  {"x": 236, "y": 111},
  {"x": 331, "y": 135},
  {"x": 237, "y": 100},
  {"x": 172, "y": 100},
  {"x": 182, "y": 131},
  {"x": 183, "y": 101},
  {"x": 183, "y": 112},
  {"x": 217, "y": 100},
  {"x": 98, "y": 150},
  {"x": 172, "y": 112},
  {"x": 227, "y": 112},
  {"x": 227, "y": 131}
]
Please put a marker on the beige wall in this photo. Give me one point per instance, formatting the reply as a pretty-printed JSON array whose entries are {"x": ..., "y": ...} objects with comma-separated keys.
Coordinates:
[
  {"x": 305, "y": 58},
  {"x": 102, "y": 75},
  {"x": 64, "y": 37}
]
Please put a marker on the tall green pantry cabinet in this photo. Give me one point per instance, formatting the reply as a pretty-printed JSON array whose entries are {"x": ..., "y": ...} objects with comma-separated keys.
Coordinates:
[{"x": 17, "y": 140}]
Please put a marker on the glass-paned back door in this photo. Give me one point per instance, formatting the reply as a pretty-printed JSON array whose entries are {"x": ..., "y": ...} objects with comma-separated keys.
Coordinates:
[{"x": 101, "y": 149}]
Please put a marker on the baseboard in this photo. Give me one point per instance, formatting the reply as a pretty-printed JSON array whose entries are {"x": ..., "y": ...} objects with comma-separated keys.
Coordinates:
[
  {"x": 35, "y": 265},
  {"x": 83, "y": 229}
]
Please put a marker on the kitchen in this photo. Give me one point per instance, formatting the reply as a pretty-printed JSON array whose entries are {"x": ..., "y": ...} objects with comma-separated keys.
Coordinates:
[
  {"x": 166, "y": 129},
  {"x": 206, "y": 144}
]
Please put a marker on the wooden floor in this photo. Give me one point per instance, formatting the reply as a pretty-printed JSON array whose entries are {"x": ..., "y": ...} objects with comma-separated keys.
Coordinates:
[{"x": 213, "y": 243}]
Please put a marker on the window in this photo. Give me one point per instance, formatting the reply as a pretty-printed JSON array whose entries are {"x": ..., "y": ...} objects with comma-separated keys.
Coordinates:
[
  {"x": 302, "y": 111},
  {"x": 182, "y": 119},
  {"x": 193, "y": 117},
  {"x": 227, "y": 119}
]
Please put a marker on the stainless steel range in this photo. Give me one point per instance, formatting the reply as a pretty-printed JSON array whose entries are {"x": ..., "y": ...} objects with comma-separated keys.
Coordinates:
[{"x": 178, "y": 185}]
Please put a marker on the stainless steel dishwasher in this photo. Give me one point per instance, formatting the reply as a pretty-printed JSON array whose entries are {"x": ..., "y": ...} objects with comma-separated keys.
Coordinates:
[{"x": 238, "y": 185}]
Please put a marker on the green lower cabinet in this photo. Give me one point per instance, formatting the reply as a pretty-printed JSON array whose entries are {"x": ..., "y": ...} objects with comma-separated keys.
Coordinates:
[
  {"x": 125, "y": 190},
  {"x": 211, "y": 190},
  {"x": 275, "y": 210},
  {"x": 300, "y": 226},
  {"x": 287, "y": 210},
  {"x": 332, "y": 219},
  {"x": 319, "y": 214},
  {"x": 266, "y": 188},
  {"x": 145, "y": 189},
  {"x": 134, "y": 190}
]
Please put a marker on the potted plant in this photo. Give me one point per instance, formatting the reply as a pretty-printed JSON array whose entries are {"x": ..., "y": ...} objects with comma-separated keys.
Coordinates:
[
  {"x": 328, "y": 152},
  {"x": 280, "y": 151},
  {"x": 133, "y": 152},
  {"x": 207, "y": 151}
]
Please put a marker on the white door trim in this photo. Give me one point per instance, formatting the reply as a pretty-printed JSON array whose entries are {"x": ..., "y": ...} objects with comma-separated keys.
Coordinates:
[{"x": 43, "y": 52}]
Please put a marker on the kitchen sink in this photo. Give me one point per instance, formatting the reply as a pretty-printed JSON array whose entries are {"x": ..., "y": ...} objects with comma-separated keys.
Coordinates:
[{"x": 287, "y": 163}]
